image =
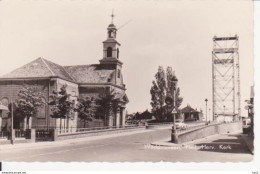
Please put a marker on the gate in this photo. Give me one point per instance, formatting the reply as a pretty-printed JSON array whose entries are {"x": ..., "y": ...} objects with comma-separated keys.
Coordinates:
[{"x": 44, "y": 135}]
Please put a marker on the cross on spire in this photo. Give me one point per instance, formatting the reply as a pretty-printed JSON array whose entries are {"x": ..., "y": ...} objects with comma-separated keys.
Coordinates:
[{"x": 112, "y": 16}]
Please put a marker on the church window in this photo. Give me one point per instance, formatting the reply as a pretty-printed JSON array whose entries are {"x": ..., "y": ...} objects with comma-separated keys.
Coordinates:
[
  {"x": 118, "y": 73},
  {"x": 41, "y": 113},
  {"x": 117, "y": 53},
  {"x": 109, "y": 52},
  {"x": 110, "y": 34},
  {"x": 4, "y": 102}
]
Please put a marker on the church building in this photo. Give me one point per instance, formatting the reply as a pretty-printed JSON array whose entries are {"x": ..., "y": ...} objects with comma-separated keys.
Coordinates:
[{"x": 81, "y": 80}]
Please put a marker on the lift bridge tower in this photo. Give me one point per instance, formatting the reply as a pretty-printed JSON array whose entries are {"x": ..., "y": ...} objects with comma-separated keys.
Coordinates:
[{"x": 225, "y": 77}]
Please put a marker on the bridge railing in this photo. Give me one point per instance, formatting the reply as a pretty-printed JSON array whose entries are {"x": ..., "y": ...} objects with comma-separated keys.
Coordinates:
[
  {"x": 188, "y": 128},
  {"x": 193, "y": 127},
  {"x": 160, "y": 124},
  {"x": 96, "y": 129}
]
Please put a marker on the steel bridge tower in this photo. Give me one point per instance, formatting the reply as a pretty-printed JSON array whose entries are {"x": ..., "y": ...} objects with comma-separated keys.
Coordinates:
[{"x": 225, "y": 76}]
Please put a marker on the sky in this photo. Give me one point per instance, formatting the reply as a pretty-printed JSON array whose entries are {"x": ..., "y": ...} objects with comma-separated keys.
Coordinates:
[{"x": 165, "y": 33}]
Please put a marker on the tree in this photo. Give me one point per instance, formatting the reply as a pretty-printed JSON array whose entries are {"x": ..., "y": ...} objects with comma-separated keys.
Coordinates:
[
  {"x": 158, "y": 94},
  {"x": 172, "y": 90},
  {"x": 62, "y": 105},
  {"x": 144, "y": 115},
  {"x": 107, "y": 104},
  {"x": 30, "y": 99},
  {"x": 164, "y": 85},
  {"x": 85, "y": 109}
]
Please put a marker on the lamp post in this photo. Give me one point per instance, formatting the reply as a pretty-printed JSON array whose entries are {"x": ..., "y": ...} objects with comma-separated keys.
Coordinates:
[
  {"x": 12, "y": 117},
  {"x": 206, "y": 100},
  {"x": 12, "y": 124},
  {"x": 209, "y": 112},
  {"x": 171, "y": 101},
  {"x": 174, "y": 111}
]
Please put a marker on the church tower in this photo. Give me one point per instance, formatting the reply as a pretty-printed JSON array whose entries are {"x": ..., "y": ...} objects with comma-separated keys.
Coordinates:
[
  {"x": 111, "y": 53},
  {"x": 111, "y": 46}
]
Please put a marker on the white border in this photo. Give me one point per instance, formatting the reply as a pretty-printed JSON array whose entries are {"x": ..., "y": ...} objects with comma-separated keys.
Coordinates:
[{"x": 155, "y": 167}]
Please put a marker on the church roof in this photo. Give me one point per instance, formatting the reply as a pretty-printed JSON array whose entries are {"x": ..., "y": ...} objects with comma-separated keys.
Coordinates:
[
  {"x": 39, "y": 68},
  {"x": 78, "y": 73},
  {"x": 89, "y": 73}
]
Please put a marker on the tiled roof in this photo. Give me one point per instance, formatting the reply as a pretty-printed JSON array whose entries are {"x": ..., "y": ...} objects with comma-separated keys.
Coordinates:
[
  {"x": 78, "y": 73},
  {"x": 89, "y": 73},
  {"x": 58, "y": 70},
  {"x": 39, "y": 68},
  {"x": 188, "y": 109},
  {"x": 36, "y": 68}
]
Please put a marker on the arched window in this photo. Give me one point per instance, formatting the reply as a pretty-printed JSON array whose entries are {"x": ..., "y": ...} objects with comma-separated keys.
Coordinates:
[
  {"x": 110, "y": 34},
  {"x": 109, "y": 52},
  {"x": 117, "y": 53},
  {"x": 5, "y": 102},
  {"x": 41, "y": 111}
]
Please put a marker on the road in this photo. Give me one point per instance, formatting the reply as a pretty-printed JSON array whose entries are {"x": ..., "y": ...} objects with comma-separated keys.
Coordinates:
[{"x": 131, "y": 147}]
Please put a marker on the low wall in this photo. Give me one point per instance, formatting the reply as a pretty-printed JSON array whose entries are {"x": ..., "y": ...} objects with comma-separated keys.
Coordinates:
[
  {"x": 208, "y": 130},
  {"x": 91, "y": 133},
  {"x": 28, "y": 138},
  {"x": 16, "y": 141}
]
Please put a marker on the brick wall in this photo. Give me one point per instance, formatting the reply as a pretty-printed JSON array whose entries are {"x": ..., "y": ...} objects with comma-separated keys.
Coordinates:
[
  {"x": 10, "y": 89},
  {"x": 92, "y": 91}
]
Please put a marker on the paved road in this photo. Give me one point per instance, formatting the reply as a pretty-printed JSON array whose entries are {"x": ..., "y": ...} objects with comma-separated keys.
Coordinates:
[{"x": 131, "y": 147}]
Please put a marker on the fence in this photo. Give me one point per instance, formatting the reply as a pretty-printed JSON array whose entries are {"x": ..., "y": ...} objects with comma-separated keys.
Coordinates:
[
  {"x": 108, "y": 128},
  {"x": 4, "y": 134},
  {"x": 96, "y": 129},
  {"x": 191, "y": 127},
  {"x": 160, "y": 124},
  {"x": 19, "y": 133}
]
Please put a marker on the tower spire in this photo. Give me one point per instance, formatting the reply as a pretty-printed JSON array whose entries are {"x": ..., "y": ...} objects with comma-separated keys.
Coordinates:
[{"x": 112, "y": 16}]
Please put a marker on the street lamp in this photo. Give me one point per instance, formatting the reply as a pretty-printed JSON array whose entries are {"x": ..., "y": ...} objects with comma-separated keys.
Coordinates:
[{"x": 206, "y": 100}]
